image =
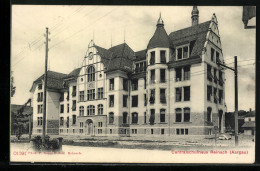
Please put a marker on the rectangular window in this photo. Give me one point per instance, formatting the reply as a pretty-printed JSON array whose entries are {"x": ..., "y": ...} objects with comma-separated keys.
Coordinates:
[
  {"x": 61, "y": 97},
  {"x": 124, "y": 118},
  {"x": 186, "y": 93},
  {"x": 152, "y": 59},
  {"x": 215, "y": 95},
  {"x": 182, "y": 131},
  {"x": 215, "y": 76},
  {"x": 186, "y": 131},
  {"x": 134, "y": 84},
  {"x": 178, "y": 74},
  {"x": 209, "y": 92},
  {"x": 186, "y": 115},
  {"x": 74, "y": 91},
  {"x": 145, "y": 100},
  {"x": 178, "y": 115},
  {"x": 74, "y": 119},
  {"x": 81, "y": 96},
  {"x": 61, "y": 108},
  {"x": 179, "y": 53},
  {"x": 137, "y": 67},
  {"x": 145, "y": 117},
  {"x": 100, "y": 93},
  {"x": 111, "y": 84},
  {"x": 162, "y": 131},
  {"x": 68, "y": 108},
  {"x": 39, "y": 121},
  {"x": 135, "y": 101},
  {"x": 151, "y": 131},
  {"x": 209, "y": 74},
  {"x": 68, "y": 122},
  {"x": 152, "y": 76},
  {"x": 162, "y": 96},
  {"x": 39, "y": 86},
  {"x": 91, "y": 94},
  {"x": 39, "y": 109},
  {"x": 220, "y": 95},
  {"x": 145, "y": 66},
  {"x": 162, "y": 75},
  {"x": 144, "y": 82},
  {"x": 178, "y": 94},
  {"x": 187, "y": 73},
  {"x": 81, "y": 131},
  {"x": 178, "y": 131},
  {"x": 99, "y": 131},
  {"x": 134, "y": 118},
  {"x": 125, "y": 100},
  {"x": 185, "y": 52},
  {"x": 99, "y": 124},
  {"x": 141, "y": 67},
  {"x": 152, "y": 117},
  {"x": 212, "y": 54},
  {"x": 111, "y": 118},
  {"x": 111, "y": 100},
  {"x": 162, "y": 56},
  {"x": 162, "y": 115},
  {"x": 221, "y": 81},
  {"x": 40, "y": 97},
  {"x": 125, "y": 84},
  {"x": 110, "y": 131},
  {"x": 74, "y": 105},
  {"x": 68, "y": 95},
  {"x": 100, "y": 109},
  {"x": 217, "y": 57},
  {"x": 152, "y": 96},
  {"x": 61, "y": 121}
]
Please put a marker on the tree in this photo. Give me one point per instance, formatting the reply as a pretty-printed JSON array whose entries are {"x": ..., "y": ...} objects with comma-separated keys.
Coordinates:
[{"x": 12, "y": 85}]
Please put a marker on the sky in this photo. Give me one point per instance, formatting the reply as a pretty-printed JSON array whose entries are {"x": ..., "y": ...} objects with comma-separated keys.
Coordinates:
[{"x": 73, "y": 27}]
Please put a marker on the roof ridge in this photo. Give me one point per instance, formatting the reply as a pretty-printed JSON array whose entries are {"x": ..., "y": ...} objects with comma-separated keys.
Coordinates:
[{"x": 191, "y": 26}]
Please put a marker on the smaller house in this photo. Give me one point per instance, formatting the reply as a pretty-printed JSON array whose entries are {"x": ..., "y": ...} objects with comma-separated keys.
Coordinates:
[{"x": 249, "y": 125}]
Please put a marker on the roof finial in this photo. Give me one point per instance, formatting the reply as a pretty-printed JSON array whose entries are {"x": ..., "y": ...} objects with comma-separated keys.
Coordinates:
[
  {"x": 160, "y": 21},
  {"x": 195, "y": 16}
]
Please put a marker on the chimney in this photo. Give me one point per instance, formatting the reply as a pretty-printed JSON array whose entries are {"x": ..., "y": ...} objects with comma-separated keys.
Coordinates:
[{"x": 195, "y": 16}]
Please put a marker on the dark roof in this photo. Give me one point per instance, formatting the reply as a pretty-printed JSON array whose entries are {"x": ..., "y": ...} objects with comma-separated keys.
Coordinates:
[
  {"x": 27, "y": 109},
  {"x": 249, "y": 124},
  {"x": 159, "y": 39},
  {"x": 140, "y": 55},
  {"x": 73, "y": 73},
  {"x": 250, "y": 114},
  {"x": 196, "y": 35}
]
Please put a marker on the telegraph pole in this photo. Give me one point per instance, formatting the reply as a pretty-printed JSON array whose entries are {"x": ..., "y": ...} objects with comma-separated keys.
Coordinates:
[
  {"x": 45, "y": 86},
  {"x": 236, "y": 97}
]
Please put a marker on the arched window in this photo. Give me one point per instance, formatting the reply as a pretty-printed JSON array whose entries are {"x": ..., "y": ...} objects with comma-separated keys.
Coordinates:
[
  {"x": 134, "y": 118},
  {"x": 100, "y": 109},
  {"x": 91, "y": 73},
  {"x": 209, "y": 110},
  {"x": 81, "y": 111},
  {"x": 91, "y": 110},
  {"x": 111, "y": 118}
]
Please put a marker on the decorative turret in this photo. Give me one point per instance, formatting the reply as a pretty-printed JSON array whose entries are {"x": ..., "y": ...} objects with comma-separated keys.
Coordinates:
[
  {"x": 195, "y": 16},
  {"x": 160, "y": 21}
]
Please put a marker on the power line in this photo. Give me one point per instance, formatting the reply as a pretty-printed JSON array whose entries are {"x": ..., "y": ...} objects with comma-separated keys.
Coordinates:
[{"x": 241, "y": 61}]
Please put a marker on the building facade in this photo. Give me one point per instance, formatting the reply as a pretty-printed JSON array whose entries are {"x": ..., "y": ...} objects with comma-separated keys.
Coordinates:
[{"x": 174, "y": 87}]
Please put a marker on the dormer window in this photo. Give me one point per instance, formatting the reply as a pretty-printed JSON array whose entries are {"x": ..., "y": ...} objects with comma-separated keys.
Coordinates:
[{"x": 182, "y": 52}]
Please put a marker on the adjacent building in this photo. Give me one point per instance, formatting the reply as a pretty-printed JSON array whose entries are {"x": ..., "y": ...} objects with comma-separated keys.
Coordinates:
[{"x": 173, "y": 87}]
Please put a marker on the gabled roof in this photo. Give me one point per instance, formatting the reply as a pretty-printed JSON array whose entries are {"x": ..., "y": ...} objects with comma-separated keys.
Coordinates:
[
  {"x": 249, "y": 124},
  {"x": 195, "y": 35},
  {"x": 140, "y": 55},
  {"x": 159, "y": 39},
  {"x": 73, "y": 73}
]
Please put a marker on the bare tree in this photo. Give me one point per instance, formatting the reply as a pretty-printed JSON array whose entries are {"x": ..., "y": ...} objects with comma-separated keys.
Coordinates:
[{"x": 12, "y": 85}]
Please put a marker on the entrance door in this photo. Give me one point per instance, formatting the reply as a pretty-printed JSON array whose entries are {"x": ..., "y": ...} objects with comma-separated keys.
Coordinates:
[{"x": 89, "y": 127}]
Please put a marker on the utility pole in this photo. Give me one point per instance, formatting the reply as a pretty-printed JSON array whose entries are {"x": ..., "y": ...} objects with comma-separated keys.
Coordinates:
[
  {"x": 45, "y": 86},
  {"x": 236, "y": 97}
]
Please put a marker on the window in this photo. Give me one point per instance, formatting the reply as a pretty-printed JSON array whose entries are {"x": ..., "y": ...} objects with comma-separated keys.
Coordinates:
[
  {"x": 99, "y": 131},
  {"x": 100, "y": 109},
  {"x": 220, "y": 95},
  {"x": 217, "y": 57},
  {"x": 124, "y": 117},
  {"x": 100, "y": 124},
  {"x": 141, "y": 66},
  {"x": 134, "y": 131},
  {"x": 182, "y": 53},
  {"x": 68, "y": 96},
  {"x": 91, "y": 94},
  {"x": 152, "y": 59},
  {"x": 162, "y": 115},
  {"x": 134, "y": 84},
  {"x": 111, "y": 100},
  {"x": 81, "y": 131},
  {"x": 162, "y": 96},
  {"x": 125, "y": 84},
  {"x": 178, "y": 114},
  {"x": 162, "y": 75},
  {"x": 125, "y": 100},
  {"x": 74, "y": 91},
  {"x": 81, "y": 111},
  {"x": 90, "y": 110},
  {"x": 209, "y": 74},
  {"x": 178, "y": 94},
  {"x": 110, "y": 131},
  {"x": 152, "y": 116},
  {"x": 179, "y": 52},
  {"x": 152, "y": 96},
  {"x": 68, "y": 123},
  {"x": 61, "y": 108},
  {"x": 81, "y": 96},
  {"x": 81, "y": 124},
  {"x": 151, "y": 131},
  {"x": 221, "y": 82},
  {"x": 40, "y": 97},
  {"x": 186, "y": 115},
  {"x": 186, "y": 93},
  {"x": 137, "y": 67},
  {"x": 162, "y": 131},
  {"x": 209, "y": 92},
  {"x": 178, "y": 73},
  {"x": 209, "y": 110},
  {"x": 74, "y": 119},
  {"x": 145, "y": 100},
  {"x": 100, "y": 93},
  {"x": 185, "y": 52},
  {"x": 39, "y": 108},
  {"x": 39, "y": 86},
  {"x": 215, "y": 76},
  {"x": 145, "y": 117},
  {"x": 178, "y": 131},
  {"x": 111, "y": 118},
  {"x": 152, "y": 76},
  {"x": 91, "y": 73},
  {"x": 162, "y": 56},
  {"x": 144, "y": 66},
  {"x": 212, "y": 54},
  {"x": 215, "y": 95},
  {"x": 187, "y": 73},
  {"x": 61, "y": 97},
  {"x": 134, "y": 118},
  {"x": 68, "y": 108},
  {"x": 39, "y": 120},
  {"x": 144, "y": 82},
  {"x": 186, "y": 131},
  {"x": 182, "y": 131},
  {"x": 111, "y": 84},
  {"x": 61, "y": 121},
  {"x": 135, "y": 101},
  {"x": 74, "y": 105}
]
